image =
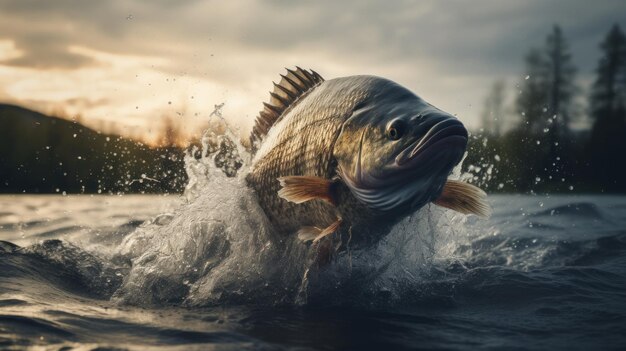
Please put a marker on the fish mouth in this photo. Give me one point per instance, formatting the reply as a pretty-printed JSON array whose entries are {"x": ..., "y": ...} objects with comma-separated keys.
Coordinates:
[{"x": 448, "y": 135}]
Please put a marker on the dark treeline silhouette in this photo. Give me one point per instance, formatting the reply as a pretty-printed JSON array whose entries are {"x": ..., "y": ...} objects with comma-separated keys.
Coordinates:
[
  {"x": 540, "y": 151},
  {"x": 43, "y": 154}
]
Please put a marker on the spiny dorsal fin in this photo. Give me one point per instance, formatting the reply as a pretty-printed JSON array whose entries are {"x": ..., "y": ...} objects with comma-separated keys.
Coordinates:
[{"x": 293, "y": 86}]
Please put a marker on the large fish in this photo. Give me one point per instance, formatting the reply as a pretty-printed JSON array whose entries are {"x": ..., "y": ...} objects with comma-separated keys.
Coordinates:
[{"x": 350, "y": 157}]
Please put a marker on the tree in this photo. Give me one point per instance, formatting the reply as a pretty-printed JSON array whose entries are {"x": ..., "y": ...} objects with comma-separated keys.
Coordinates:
[
  {"x": 560, "y": 77},
  {"x": 493, "y": 113},
  {"x": 607, "y": 110},
  {"x": 532, "y": 100},
  {"x": 523, "y": 143},
  {"x": 546, "y": 106},
  {"x": 171, "y": 134}
]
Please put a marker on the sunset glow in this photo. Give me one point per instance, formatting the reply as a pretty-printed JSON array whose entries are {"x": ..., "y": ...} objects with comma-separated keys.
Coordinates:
[{"x": 124, "y": 67}]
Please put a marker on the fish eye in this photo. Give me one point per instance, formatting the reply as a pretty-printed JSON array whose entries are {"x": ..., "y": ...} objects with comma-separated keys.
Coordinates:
[{"x": 395, "y": 129}]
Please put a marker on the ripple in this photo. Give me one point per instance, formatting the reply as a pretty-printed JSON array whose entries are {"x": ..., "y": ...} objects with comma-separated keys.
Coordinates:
[
  {"x": 579, "y": 209},
  {"x": 35, "y": 327}
]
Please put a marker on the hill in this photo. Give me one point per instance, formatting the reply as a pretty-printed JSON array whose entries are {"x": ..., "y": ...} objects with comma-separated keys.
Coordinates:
[{"x": 45, "y": 154}]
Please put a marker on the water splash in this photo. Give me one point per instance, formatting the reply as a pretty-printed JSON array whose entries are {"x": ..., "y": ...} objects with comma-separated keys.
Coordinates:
[{"x": 219, "y": 247}]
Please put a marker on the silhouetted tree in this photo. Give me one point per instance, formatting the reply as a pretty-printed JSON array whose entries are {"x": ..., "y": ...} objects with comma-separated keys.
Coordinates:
[
  {"x": 525, "y": 140},
  {"x": 560, "y": 78},
  {"x": 493, "y": 113},
  {"x": 546, "y": 106},
  {"x": 532, "y": 100},
  {"x": 171, "y": 133},
  {"x": 541, "y": 153},
  {"x": 608, "y": 112}
]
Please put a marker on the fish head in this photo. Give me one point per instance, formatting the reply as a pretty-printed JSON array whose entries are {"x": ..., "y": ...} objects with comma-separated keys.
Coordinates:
[{"x": 396, "y": 152}]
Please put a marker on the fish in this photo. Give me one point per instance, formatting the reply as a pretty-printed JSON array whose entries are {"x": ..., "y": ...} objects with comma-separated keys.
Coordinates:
[{"x": 350, "y": 157}]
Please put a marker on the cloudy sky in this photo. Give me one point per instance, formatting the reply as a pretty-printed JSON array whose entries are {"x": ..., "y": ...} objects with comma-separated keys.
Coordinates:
[{"x": 133, "y": 62}]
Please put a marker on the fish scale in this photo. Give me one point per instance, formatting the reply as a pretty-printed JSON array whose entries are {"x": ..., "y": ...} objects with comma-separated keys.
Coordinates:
[
  {"x": 311, "y": 133},
  {"x": 303, "y": 147}
]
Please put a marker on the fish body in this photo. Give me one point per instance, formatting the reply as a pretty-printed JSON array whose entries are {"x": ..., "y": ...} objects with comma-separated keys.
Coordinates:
[{"x": 351, "y": 155}]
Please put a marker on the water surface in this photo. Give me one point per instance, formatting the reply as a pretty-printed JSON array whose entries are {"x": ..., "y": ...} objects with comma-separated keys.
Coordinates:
[{"x": 541, "y": 273}]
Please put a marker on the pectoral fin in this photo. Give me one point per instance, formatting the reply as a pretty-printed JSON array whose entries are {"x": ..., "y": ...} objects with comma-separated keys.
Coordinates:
[
  {"x": 299, "y": 189},
  {"x": 465, "y": 198},
  {"x": 316, "y": 234}
]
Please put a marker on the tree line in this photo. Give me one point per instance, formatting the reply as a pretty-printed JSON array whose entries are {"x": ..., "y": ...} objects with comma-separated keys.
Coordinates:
[{"x": 544, "y": 148}]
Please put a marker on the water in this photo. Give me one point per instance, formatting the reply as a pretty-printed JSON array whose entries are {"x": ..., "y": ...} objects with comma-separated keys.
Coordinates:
[
  {"x": 541, "y": 273},
  {"x": 206, "y": 270}
]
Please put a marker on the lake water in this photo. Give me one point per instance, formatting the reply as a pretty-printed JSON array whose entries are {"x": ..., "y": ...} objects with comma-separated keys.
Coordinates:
[{"x": 137, "y": 272}]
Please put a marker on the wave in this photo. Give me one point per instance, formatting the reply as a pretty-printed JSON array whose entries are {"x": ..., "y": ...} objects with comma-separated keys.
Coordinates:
[
  {"x": 425, "y": 259},
  {"x": 575, "y": 209}
]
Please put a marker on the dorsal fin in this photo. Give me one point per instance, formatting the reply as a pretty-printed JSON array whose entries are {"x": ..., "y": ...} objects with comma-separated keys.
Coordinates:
[{"x": 293, "y": 86}]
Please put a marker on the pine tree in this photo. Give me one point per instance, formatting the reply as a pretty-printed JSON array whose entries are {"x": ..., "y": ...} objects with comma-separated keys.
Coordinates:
[
  {"x": 493, "y": 113},
  {"x": 526, "y": 150},
  {"x": 546, "y": 105},
  {"x": 608, "y": 112},
  {"x": 532, "y": 99},
  {"x": 560, "y": 77}
]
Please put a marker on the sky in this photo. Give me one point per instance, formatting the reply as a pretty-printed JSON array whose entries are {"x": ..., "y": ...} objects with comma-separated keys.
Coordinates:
[{"x": 129, "y": 64}]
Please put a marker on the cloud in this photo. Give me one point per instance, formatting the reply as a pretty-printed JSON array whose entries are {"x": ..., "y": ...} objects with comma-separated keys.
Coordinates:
[
  {"x": 475, "y": 36},
  {"x": 85, "y": 103},
  {"x": 447, "y": 51},
  {"x": 46, "y": 50}
]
